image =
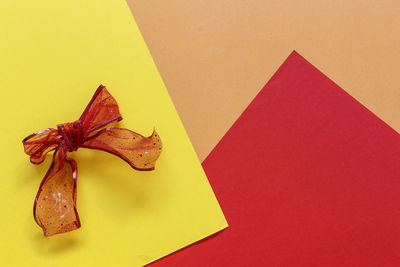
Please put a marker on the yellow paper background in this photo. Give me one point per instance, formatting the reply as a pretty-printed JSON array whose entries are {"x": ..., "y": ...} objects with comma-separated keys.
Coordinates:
[{"x": 53, "y": 55}]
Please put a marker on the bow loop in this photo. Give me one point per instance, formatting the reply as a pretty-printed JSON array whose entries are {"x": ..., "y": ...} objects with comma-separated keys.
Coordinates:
[
  {"x": 101, "y": 111},
  {"x": 38, "y": 144}
]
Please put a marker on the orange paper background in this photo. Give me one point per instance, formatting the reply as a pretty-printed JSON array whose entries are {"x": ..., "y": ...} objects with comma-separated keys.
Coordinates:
[{"x": 214, "y": 56}]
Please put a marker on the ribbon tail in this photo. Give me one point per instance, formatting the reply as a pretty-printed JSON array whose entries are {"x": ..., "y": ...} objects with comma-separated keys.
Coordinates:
[
  {"x": 139, "y": 151},
  {"x": 55, "y": 203}
]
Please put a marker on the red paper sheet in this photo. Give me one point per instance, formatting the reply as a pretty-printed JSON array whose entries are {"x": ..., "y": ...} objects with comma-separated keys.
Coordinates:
[{"x": 306, "y": 176}]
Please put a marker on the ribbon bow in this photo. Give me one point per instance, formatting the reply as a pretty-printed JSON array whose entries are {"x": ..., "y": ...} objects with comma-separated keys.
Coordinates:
[{"x": 55, "y": 203}]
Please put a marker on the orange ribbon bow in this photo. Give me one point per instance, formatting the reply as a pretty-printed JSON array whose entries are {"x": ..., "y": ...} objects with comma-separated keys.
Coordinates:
[{"x": 55, "y": 203}]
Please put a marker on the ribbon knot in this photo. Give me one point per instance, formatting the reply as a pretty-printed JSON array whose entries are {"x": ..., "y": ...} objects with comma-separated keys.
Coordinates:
[
  {"x": 54, "y": 208},
  {"x": 73, "y": 134}
]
